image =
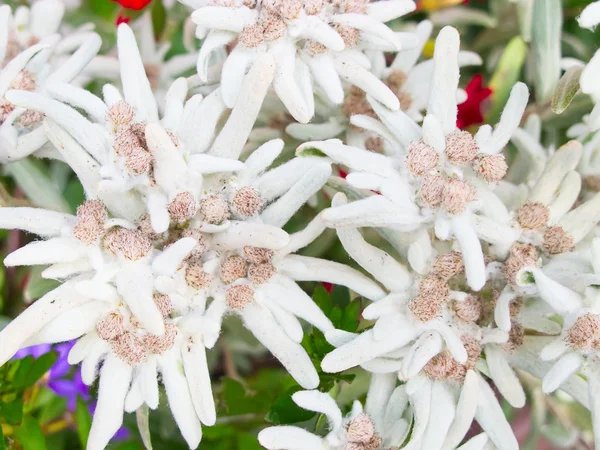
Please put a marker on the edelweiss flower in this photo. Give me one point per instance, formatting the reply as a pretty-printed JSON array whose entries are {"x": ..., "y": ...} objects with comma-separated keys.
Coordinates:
[
  {"x": 167, "y": 230},
  {"x": 433, "y": 337},
  {"x": 161, "y": 72},
  {"x": 32, "y": 58},
  {"x": 381, "y": 425},
  {"x": 576, "y": 300},
  {"x": 408, "y": 80},
  {"x": 313, "y": 43},
  {"x": 435, "y": 175}
]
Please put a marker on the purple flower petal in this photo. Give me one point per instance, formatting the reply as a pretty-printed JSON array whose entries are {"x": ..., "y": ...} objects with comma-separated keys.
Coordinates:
[{"x": 36, "y": 351}]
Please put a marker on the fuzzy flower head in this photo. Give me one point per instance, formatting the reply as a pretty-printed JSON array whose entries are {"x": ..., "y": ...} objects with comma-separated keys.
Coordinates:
[
  {"x": 405, "y": 76},
  {"x": 431, "y": 331},
  {"x": 320, "y": 42},
  {"x": 358, "y": 430},
  {"x": 176, "y": 234},
  {"x": 35, "y": 58},
  {"x": 437, "y": 175}
]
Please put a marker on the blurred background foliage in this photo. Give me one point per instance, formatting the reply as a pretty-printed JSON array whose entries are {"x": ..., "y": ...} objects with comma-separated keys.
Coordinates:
[{"x": 44, "y": 405}]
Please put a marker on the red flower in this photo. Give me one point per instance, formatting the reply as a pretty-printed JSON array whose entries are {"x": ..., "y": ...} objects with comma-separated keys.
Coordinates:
[
  {"x": 328, "y": 286},
  {"x": 133, "y": 4},
  {"x": 122, "y": 19},
  {"x": 469, "y": 112}
]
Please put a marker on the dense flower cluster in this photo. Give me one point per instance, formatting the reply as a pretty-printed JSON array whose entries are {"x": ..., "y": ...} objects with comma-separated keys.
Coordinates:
[{"x": 490, "y": 263}]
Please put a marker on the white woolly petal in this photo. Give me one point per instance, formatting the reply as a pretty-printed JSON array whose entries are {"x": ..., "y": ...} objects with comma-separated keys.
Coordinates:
[
  {"x": 302, "y": 238},
  {"x": 224, "y": 18},
  {"x": 89, "y": 366},
  {"x": 491, "y": 418},
  {"x": 442, "y": 102},
  {"x": 82, "y": 163},
  {"x": 421, "y": 402},
  {"x": 379, "y": 397},
  {"x": 200, "y": 117},
  {"x": 326, "y": 76},
  {"x": 452, "y": 339},
  {"x": 288, "y": 295},
  {"x": 148, "y": 382},
  {"x": 566, "y": 366},
  {"x": 361, "y": 350},
  {"x": 290, "y": 438},
  {"x": 388, "y": 10},
  {"x": 562, "y": 162},
  {"x": 287, "y": 321},
  {"x": 198, "y": 379},
  {"x": 322, "y": 403},
  {"x": 504, "y": 377},
  {"x": 180, "y": 400},
  {"x": 171, "y": 258},
  {"x": 471, "y": 250},
  {"x": 212, "y": 164},
  {"x": 71, "y": 324},
  {"x": 562, "y": 299},
  {"x": 108, "y": 417},
  {"x": 240, "y": 234},
  {"x": 590, "y": 16},
  {"x": 87, "y": 134},
  {"x": 315, "y": 29},
  {"x": 376, "y": 210},
  {"x": 465, "y": 411},
  {"x": 30, "y": 321},
  {"x": 479, "y": 442},
  {"x": 136, "y": 87},
  {"x": 233, "y": 73},
  {"x": 510, "y": 119},
  {"x": 554, "y": 350},
  {"x": 135, "y": 283},
  {"x": 426, "y": 347},
  {"x": 232, "y": 138},
  {"x": 285, "y": 83},
  {"x": 259, "y": 160},
  {"x": 339, "y": 337},
  {"x": 291, "y": 354},
  {"x": 169, "y": 165},
  {"x": 440, "y": 417},
  {"x": 502, "y": 309},
  {"x": 304, "y": 268},
  {"x": 42, "y": 222},
  {"x": 279, "y": 212},
  {"x": 404, "y": 129}
]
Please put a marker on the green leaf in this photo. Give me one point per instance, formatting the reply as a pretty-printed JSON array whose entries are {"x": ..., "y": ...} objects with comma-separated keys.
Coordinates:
[
  {"x": 2, "y": 441},
  {"x": 12, "y": 411},
  {"x": 23, "y": 367},
  {"x": 340, "y": 296},
  {"x": 83, "y": 420},
  {"x": 351, "y": 315},
  {"x": 40, "y": 366},
  {"x": 322, "y": 299},
  {"x": 506, "y": 75},
  {"x": 546, "y": 33},
  {"x": 74, "y": 194},
  {"x": 567, "y": 88},
  {"x": 37, "y": 286},
  {"x": 30, "y": 434},
  {"x": 159, "y": 17},
  {"x": 284, "y": 411},
  {"x": 247, "y": 441},
  {"x": 32, "y": 178},
  {"x": 142, "y": 416},
  {"x": 311, "y": 152},
  {"x": 56, "y": 407}
]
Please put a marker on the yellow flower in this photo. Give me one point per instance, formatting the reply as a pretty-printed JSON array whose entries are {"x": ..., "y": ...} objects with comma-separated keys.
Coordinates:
[{"x": 433, "y": 5}]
